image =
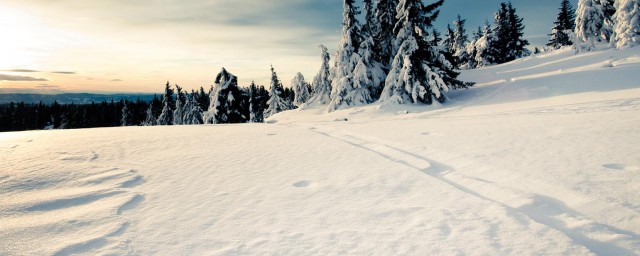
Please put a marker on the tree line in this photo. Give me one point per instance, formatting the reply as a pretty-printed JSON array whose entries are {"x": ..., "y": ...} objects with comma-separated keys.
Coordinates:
[{"x": 393, "y": 55}]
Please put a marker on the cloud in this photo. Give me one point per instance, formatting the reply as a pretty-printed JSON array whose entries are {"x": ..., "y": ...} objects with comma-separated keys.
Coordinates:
[
  {"x": 47, "y": 86},
  {"x": 39, "y": 71},
  {"x": 22, "y": 70},
  {"x": 116, "y": 80},
  {"x": 20, "y": 78}
]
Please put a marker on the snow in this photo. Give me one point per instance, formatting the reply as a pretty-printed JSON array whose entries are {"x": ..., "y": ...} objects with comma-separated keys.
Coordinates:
[{"x": 539, "y": 158}]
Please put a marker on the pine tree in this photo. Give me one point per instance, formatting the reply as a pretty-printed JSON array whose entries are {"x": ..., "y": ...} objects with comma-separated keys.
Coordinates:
[
  {"x": 178, "y": 113},
  {"x": 627, "y": 28},
  {"x": 561, "y": 33},
  {"x": 127, "y": 115},
  {"x": 343, "y": 90},
  {"x": 301, "y": 90},
  {"x": 276, "y": 103},
  {"x": 517, "y": 43},
  {"x": 150, "y": 119},
  {"x": 168, "y": 106},
  {"x": 484, "y": 47},
  {"x": 448, "y": 46},
  {"x": 386, "y": 18},
  {"x": 590, "y": 20},
  {"x": 460, "y": 41},
  {"x": 258, "y": 97},
  {"x": 419, "y": 72},
  {"x": 321, "y": 82},
  {"x": 608, "y": 9},
  {"x": 508, "y": 43},
  {"x": 192, "y": 112},
  {"x": 226, "y": 101},
  {"x": 369, "y": 72}
]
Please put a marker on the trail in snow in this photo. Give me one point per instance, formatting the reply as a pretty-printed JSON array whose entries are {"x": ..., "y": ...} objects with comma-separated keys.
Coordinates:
[{"x": 599, "y": 238}]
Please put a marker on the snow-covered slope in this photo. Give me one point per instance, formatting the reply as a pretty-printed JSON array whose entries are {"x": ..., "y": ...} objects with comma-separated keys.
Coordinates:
[{"x": 540, "y": 158}]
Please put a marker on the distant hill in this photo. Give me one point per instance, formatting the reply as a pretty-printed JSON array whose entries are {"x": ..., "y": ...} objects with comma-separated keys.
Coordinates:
[{"x": 68, "y": 98}]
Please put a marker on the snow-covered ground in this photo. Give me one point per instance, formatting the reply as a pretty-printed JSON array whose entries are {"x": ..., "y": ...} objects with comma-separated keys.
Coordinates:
[{"x": 542, "y": 157}]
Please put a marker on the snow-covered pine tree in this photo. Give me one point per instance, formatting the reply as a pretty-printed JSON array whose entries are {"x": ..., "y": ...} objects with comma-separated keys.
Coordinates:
[
  {"x": 565, "y": 23},
  {"x": 276, "y": 102},
  {"x": 384, "y": 37},
  {"x": 627, "y": 24},
  {"x": 448, "y": 46},
  {"x": 484, "y": 50},
  {"x": 369, "y": 72},
  {"x": 344, "y": 91},
  {"x": 127, "y": 115},
  {"x": 192, "y": 113},
  {"x": 178, "y": 113},
  {"x": 370, "y": 26},
  {"x": 168, "y": 105},
  {"x": 460, "y": 40},
  {"x": 150, "y": 119},
  {"x": 321, "y": 94},
  {"x": 590, "y": 20},
  {"x": 608, "y": 9},
  {"x": 419, "y": 72},
  {"x": 226, "y": 101},
  {"x": 301, "y": 90}
]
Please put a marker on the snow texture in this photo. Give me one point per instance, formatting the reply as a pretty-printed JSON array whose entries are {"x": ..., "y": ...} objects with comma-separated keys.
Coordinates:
[{"x": 627, "y": 24}]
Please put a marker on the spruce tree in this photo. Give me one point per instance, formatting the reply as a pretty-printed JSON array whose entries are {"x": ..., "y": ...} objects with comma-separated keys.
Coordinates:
[
  {"x": 517, "y": 44},
  {"x": 460, "y": 40},
  {"x": 150, "y": 119},
  {"x": 178, "y": 113},
  {"x": 627, "y": 28},
  {"x": 561, "y": 33},
  {"x": 508, "y": 43},
  {"x": 385, "y": 13},
  {"x": 192, "y": 112},
  {"x": 321, "y": 94},
  {"x": 485, "y": 51},
  {"x": 448, "y": 46},
  {"x": 168, "y": 106},
  {"x": 127, "y": 115},
  {"x": 419, "y": 72},
  {"x": 226, "y": 101},
  {"x": 345, "y": 92},
  {"x": 590, "y": 20},
  {"x": 301, "y": 90},
  {"x": 277, "y": 102},
  {"x": 608, "y": 9},
  {"x": 258, "y": 100}
]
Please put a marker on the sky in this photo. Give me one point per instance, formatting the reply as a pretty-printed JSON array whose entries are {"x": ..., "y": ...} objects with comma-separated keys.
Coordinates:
[{"x": 52, "y": 46}]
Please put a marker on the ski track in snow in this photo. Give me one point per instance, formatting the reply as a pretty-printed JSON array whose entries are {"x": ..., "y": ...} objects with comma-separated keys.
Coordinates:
[{"x": 599, "y": 238}]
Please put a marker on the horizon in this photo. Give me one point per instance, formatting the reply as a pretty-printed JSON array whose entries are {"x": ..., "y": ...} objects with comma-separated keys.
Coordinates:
[{"x": 111, "y": 47}]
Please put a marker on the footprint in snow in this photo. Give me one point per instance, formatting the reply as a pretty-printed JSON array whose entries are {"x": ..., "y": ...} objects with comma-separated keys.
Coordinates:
[
  {"x": 621, "y": 167},
  {"x": 302, "y": 184}
]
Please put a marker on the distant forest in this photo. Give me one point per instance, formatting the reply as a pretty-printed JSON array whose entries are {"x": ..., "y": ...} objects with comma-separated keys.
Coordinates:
[{"x": 21, "y": 116}]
